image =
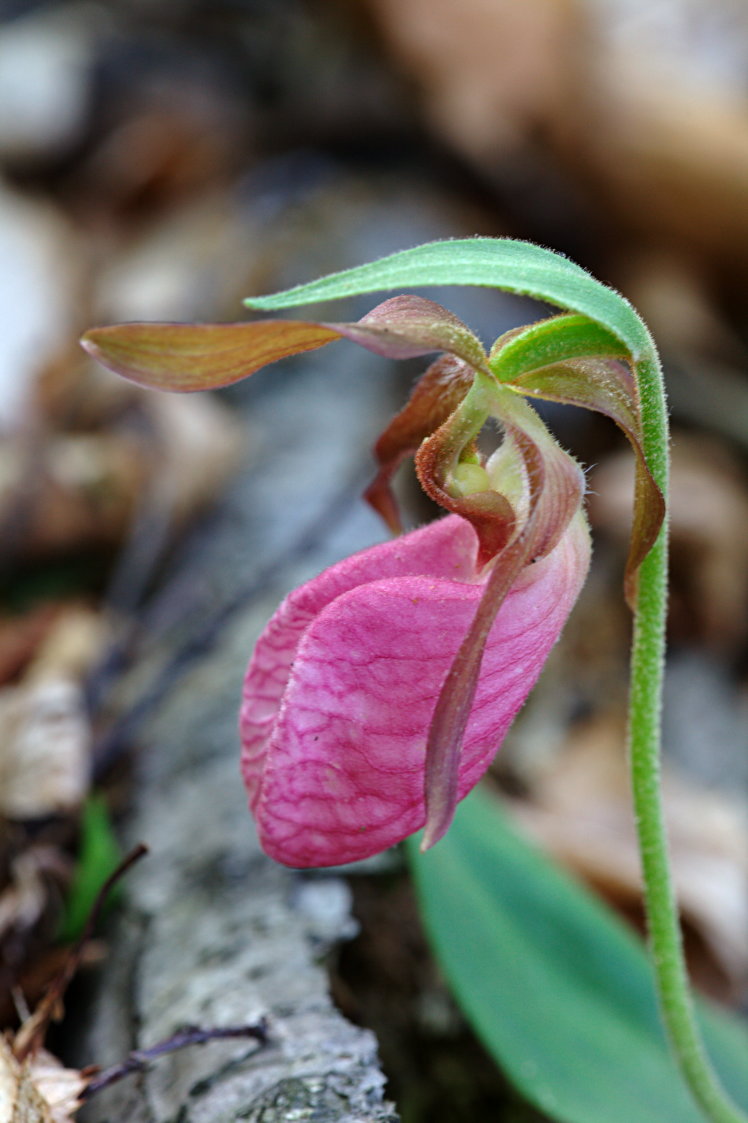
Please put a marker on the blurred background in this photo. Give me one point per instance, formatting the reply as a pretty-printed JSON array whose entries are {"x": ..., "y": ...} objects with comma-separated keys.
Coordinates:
[{"x": 161, "y": 160}]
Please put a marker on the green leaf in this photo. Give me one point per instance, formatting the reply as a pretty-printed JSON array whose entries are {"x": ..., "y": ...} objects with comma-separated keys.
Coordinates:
[
  {"x": 502, "y": 263},
  {"x": 559, "y": 990},
  {"x": 98, "y": 857}
]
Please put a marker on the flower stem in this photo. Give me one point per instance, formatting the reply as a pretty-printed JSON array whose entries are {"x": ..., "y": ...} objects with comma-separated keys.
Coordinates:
[{"x": 647, "y": 667}]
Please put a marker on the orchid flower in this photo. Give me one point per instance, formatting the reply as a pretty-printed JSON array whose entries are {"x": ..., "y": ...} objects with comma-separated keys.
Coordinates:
[{"x": 381, "y": 689}]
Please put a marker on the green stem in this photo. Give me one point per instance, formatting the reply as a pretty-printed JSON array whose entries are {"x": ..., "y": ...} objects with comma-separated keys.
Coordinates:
[{"x": 647, "y": 666}]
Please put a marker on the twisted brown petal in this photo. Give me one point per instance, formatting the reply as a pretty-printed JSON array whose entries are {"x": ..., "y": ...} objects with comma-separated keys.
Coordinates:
[
  {"x": 490, "y": 513},
  {"x": 556, "y": 488},
  {"x": 435, "y": 396},
  {"x": 608, "y": 387}
]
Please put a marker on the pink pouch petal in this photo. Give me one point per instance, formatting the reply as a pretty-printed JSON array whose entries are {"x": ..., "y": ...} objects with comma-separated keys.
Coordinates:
[
  {"x": 446, "y": 548},
  {"x": 340, "y": 773}
]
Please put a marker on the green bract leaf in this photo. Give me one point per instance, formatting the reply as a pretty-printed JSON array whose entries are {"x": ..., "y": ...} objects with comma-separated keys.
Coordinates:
[
  {"x": 551, "y": 341},
  {"x": 559, "y": 990},
  {"x": 500, "y": 263}
]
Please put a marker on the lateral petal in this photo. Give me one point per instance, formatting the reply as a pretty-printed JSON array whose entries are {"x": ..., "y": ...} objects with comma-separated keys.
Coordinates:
[
  {"x": 435, "y": 395},
  {"x": 188, "y": 357}
]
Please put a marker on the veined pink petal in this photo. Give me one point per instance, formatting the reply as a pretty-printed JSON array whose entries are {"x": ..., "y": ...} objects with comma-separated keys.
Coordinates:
[
  {"x": 443, "y": 549},
  {"x": 342, "y": 687}
]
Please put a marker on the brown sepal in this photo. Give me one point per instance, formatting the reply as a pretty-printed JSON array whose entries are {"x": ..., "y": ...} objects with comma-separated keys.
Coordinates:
[
  {"x": 608, "y": 387},
  {"x": 407, "y": 326}
]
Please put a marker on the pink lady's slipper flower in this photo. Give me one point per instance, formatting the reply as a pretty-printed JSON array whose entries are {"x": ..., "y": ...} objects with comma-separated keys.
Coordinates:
[
  {"x": 342, "y": 687},
  {"x": 380, "y": 691}
]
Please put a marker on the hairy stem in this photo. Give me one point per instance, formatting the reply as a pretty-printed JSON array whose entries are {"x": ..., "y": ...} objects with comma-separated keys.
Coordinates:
[{"x": 647, "y": 666}]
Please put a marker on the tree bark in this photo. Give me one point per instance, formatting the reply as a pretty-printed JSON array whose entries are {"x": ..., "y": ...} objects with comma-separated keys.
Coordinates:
[{"x": 212, "y": 932}]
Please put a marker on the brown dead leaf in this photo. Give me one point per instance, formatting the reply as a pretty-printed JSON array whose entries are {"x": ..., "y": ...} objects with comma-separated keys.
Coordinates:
[
  {"x": 71, "y": 646},
  {"x": 38, "y": 1089},
  {"x": 581, "y": 812},
  {"x": 668, "y": 155},
  {"x": 646, "y": 137},
  {"x": 25, "y": 898},
  {"x": 77, "y": 490},
  {"x": 173, "y": 142},
  {"x": 199, "y": 443},
  {"x": 34, "y": 1086},
  {"x": 34, "y": 979},
  {"x": 60, "y": 1088},
  {"x": 40, "y": 268},
  {"x": 674, "y": 294},
  {"x": 20, "y": 637},
  {"x": 45, "y": 742},
  {"x": 84, "y": 489},
  {"x": 71, "y": 394},
  {"x": 490, "y": 72}
]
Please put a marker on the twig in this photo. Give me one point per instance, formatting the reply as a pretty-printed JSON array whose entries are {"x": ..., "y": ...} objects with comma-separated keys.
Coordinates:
[
  {"x": 139, "y": 1059},
  {"x": 31, "y": 1034}
]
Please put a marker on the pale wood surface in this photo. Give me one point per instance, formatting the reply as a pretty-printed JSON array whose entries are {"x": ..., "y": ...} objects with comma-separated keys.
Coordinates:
[{"x": 213, "y": 933}]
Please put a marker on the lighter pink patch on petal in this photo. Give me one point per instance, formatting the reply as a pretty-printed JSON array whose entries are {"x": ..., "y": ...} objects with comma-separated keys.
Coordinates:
[{"x": 446, "y": 548}]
